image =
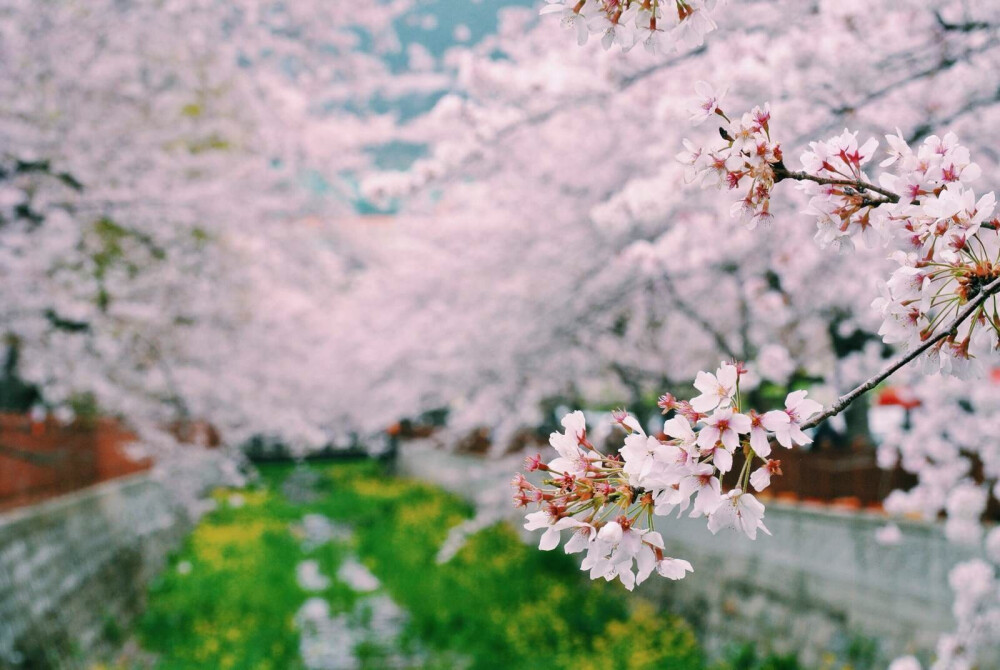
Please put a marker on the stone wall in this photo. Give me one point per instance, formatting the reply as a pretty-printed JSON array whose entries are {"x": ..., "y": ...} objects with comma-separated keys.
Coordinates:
[
  {"x": 74, "y": 570},
  {"x": 819, "y": 584}
]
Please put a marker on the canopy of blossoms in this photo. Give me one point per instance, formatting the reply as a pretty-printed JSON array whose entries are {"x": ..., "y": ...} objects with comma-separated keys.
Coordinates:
[{"x": 179, "y": 239}]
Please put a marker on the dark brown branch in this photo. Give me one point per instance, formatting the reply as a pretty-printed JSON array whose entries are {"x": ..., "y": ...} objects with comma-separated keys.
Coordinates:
[{"x": 781, "y": 173}]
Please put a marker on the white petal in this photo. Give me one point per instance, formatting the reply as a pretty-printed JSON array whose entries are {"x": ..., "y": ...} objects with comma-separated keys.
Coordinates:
[
  {"x": 723, "y": 460},
  {"x": 550, "y": 540},
  {"x": 759, "y": 442}
]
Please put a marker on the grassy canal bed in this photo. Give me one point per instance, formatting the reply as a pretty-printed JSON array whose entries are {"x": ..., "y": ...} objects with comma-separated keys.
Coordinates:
[{"x": 333, "y": 566}]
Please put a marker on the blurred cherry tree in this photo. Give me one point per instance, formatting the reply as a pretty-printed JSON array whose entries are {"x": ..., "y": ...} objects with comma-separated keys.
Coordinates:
[{"x": 164, "y": 253}]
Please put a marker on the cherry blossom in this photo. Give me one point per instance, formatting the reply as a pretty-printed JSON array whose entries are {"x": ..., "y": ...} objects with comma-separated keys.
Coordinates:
[
  {"x": 759, "y": 427},
  {"x": 716, "y": 389},
  {"x": 629, "y": 282},
  {"x": 708, "y": 102},
  {"x": 739, "y": 511},
  {"x": 657, "y": 24},
  {"x": 723, "y": 426},
  {"x": 709, "y": 494},
  {"x": 680, "y": 428},
  {"x": 760, "y": 479},
  {"x": 570, "y": 17},
  {"x": 155, "y": 236},
  {"x": 798, "y": 409},
  {"x": 617, "y": 29},
  {"x": 673, "y": 568},
  {"x": 938, "y": 232},
  {"x": 676, "y": 270},
  {"x": 583, "y": 537},
  {"x": 550, "y": 538},
  {"x": 641, "y": 454}
]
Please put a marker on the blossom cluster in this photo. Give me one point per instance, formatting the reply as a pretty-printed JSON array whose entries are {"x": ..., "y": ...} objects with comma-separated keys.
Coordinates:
[
  {"x": 656, "y": 24},
  {"x": 942, "y": 240},
  {"x": 609, "y": 500},
  {"x": 948, "y": 252},
  {"x": 746, "y": 161}
]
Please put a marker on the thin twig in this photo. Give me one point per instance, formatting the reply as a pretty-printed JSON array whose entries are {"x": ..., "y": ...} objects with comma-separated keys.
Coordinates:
[{"x": 842, "y": 403}]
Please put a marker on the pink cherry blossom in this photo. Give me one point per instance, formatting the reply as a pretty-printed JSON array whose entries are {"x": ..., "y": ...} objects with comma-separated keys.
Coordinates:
[
  {"x": 798, "y": 410},
  {"x": 716, "y": 390}
]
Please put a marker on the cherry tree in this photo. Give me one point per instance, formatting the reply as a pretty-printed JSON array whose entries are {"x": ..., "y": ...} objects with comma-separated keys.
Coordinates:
[
  {"x": 892, "y": 270},
  {"x": 161, "y": 249}
]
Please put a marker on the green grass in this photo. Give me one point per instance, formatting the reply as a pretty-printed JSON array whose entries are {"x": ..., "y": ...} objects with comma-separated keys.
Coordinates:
[{"x": 497, "y": 604}]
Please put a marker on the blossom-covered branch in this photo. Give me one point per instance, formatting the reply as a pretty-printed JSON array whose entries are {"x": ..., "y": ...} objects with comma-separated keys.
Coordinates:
[
  {"x": 940, "y": 236},
  {"x": 939, "y": 303},
  {"x": 611, "y": 500},
  {"x": 781, "y": 173},
  {"x": 845, "y": 400},
  {"x": 656, "y": 24}
]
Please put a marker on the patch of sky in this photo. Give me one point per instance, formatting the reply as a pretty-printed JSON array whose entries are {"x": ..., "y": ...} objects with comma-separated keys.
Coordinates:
[
  {"x": 436, "y": 25},
  {"x": 396, "y": 155}
]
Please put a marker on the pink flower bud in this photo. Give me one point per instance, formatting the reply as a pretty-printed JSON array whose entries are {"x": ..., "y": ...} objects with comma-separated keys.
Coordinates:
[{"x": 667, "y": 402}]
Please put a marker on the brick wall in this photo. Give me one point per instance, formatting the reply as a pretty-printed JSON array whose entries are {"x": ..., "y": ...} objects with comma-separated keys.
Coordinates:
[{"x": 42, "y": 459}]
